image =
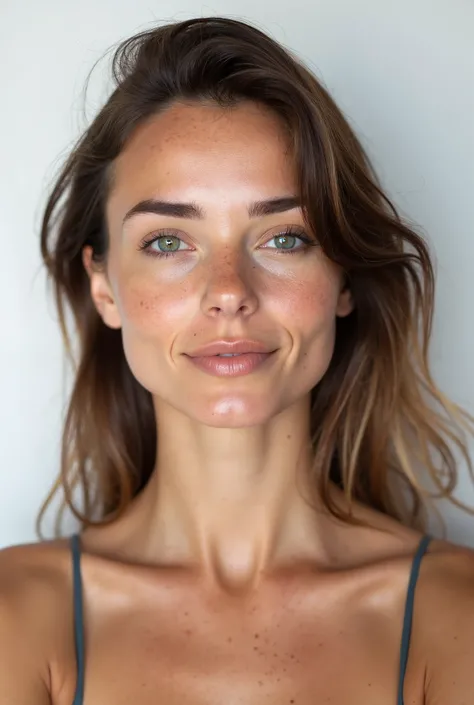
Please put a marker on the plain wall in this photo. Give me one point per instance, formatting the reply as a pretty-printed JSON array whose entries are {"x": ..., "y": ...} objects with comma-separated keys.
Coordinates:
[{"x": 402, "y": 71}]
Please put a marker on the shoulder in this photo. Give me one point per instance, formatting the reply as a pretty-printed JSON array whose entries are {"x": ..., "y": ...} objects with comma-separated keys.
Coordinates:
[
  {"x": 34, "y": 584},
  {"x": 445, "y": 622},
  {"x": 30, "y": 574},
  {"x": 448, "y": 575}
]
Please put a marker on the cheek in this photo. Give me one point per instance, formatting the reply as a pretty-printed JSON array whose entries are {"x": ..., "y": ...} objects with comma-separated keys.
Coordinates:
[
  {"x": 152, "y": 315},
  {"x": 308, "y": 304},
  {"x": 149, "y": 309},
  {"x": 307, "y": 310}
]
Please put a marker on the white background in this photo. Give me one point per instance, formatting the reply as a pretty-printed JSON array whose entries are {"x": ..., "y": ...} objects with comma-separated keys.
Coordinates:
[{"x": 403, "y": 72}]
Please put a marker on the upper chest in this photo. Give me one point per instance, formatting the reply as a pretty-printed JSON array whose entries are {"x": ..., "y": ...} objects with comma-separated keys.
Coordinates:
[{"x": 335, "y": 642}]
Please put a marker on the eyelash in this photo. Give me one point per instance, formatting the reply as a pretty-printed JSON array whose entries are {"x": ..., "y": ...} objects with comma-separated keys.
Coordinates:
[{"x": 145, "y": 245}]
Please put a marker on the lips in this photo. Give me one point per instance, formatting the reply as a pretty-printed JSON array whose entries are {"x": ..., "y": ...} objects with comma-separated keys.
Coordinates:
[
  {"x": 237, "y": 365},
  {"x": 231, "y": 347}
]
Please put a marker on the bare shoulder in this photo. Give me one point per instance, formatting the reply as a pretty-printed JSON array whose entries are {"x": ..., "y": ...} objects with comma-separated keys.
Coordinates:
[
  {"x": 33, "y": 607},
  {"x": 449, "y": 572},
  {"x": 445, "y": 615},
  {"x": 32, "y": 574}
]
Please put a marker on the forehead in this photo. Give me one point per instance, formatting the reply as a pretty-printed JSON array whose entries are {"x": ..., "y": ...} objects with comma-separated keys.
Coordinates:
[{"x": 199, "y": 148}]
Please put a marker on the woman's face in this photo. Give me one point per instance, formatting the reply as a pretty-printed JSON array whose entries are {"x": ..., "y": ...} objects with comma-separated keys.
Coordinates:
[{"x": 228, "y": 273}]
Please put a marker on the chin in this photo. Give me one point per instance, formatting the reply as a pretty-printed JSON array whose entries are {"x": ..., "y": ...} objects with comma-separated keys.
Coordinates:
[{"x": 231, "y": 412}]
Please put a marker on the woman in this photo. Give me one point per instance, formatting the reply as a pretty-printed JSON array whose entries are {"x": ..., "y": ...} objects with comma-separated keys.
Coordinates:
[{"x": 251, "y": 398}]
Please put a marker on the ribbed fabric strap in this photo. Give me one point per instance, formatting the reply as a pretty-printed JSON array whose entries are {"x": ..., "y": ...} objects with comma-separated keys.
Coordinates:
[
  {"x": 78, "y": 618},
  {"x": 408, "y": 618}
]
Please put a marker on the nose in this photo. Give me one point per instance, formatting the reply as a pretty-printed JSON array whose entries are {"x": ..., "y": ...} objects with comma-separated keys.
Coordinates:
[{"x": 229, "y": 288}]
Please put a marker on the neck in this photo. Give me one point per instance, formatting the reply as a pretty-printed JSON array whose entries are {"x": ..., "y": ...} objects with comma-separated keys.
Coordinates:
[{"x": 231, "y": 501}]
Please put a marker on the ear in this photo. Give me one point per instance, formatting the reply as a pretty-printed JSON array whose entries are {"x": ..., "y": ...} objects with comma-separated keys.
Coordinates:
[
  {"x": 101, "y": 291},
  {"x": 345, "y": 302}
]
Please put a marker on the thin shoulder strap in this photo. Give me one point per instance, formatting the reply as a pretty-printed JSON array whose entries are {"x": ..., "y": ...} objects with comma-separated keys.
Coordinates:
[
  {"x": 408, "y": 618},
  {"x": 78, "y": 617}
]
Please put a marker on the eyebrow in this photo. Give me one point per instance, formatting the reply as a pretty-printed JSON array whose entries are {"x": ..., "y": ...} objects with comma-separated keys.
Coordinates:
[{"x": 193, "y": 211}]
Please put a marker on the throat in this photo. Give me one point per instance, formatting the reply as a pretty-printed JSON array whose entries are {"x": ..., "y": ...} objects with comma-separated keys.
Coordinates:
[{"x": 236, "y": 566}]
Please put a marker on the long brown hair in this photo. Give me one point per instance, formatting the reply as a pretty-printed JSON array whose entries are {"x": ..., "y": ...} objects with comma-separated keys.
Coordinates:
[{"x": 377, "y": 411}]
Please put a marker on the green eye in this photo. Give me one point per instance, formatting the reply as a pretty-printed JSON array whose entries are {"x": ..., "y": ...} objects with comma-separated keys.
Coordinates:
[
  {"x": 168, "y": 243},
  {"x": 285, "y": 242},
  {"x": 291, "y": 240}
]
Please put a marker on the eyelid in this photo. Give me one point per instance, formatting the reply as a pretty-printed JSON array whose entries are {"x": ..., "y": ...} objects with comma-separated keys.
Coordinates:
[
  {"x": 295, "y": 231},
  {"x": 155, "y": 235},
  {"x": 289, "y": 229}
]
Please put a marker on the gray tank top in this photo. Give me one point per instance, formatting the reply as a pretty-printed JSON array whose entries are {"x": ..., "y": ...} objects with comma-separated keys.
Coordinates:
[{"x": 79, "y": 616}]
